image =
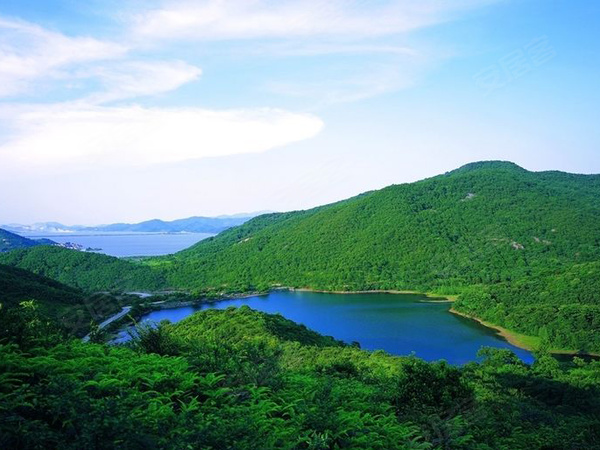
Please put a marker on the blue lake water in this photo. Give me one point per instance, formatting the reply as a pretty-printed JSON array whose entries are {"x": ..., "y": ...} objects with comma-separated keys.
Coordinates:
[
  {"x": 131, "y": 244},
  {"x": 397, "y": 323}
]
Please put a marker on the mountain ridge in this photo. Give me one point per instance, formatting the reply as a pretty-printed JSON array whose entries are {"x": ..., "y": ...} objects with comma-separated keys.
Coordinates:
[
  {"x": 11, "y": 241},
  {"x": 491, "y": 227},
  {"x": 194, "y": 224}
]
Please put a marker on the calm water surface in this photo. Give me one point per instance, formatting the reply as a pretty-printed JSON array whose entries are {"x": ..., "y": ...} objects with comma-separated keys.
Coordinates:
[
  {"x": 131, "y": 244},
  {"x": 397, "y": 323}
]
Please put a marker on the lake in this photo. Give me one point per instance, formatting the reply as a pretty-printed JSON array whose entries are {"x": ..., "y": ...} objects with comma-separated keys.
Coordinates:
[
  {"x": 397, "y": 323},
  {"x": 130, "y": 244}
]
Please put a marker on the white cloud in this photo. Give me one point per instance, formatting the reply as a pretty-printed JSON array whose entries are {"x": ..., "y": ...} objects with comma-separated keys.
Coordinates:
[
  {"x": 357, "y": 83},
  {"x": 367, "y": 38},
  {"x": 88, "y": 133},
  {"x": 249, "y": 19},
  {"x": 32, "y": 57},
  {"x": 140, "y": 78},
  {"x": 295, "y": 48},
  {"x": 94, "y": 136},
  {"x": 29, "y": 52}
]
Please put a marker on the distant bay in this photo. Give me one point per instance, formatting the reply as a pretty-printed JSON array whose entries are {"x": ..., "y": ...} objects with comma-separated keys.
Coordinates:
[{"x": 128, "y": 244}]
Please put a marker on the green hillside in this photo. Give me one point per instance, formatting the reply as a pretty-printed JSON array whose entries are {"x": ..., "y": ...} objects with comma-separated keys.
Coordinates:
[
  {"x": 241, "y": 379},
  {"x": 91, "y": 272},
  {"x": 490, "y": 223},
  {"x": 17, "y": 285},
  {"x": 484, "y": 223},
  {"x": 11, "y": 241},
  {"x": 562, "y": 309},
  {"x": 61, "y": 304}
]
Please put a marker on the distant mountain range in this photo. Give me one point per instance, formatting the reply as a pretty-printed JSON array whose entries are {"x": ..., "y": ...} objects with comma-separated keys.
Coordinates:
[{"x": 189, "y": 225}]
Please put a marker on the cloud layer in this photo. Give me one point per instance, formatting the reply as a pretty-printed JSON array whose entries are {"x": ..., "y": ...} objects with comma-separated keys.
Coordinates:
[
  {"x": 251, "y": 19},
  {"x": 95, "y": 136},
  {"x": 133, "y": 79},
  {"x": 150, "y": 96},
  {"x": 100, "y": 128},
  {"x": 29, "y": 52},
  {"x": 92, "y": 131}
]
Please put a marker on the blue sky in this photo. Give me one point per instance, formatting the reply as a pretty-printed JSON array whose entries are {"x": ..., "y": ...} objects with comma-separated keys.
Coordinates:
[{"x": 129, "y": 110}]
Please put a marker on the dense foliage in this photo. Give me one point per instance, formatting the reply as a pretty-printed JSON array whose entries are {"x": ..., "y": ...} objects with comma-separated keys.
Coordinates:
[
  {"x": 88, "y": 271},
  {"x": 17, "y": 285},
  {"x": 242, "y": 379},
  {"x": 562, "y": 309},
  {"x": 487, "y": 224},
  {"x": 70, "y": 307},
  {"x": 480, "y": 224}
]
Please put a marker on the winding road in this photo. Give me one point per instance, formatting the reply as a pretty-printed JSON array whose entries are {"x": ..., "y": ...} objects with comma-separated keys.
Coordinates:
[{"x": 110, "y": 320}]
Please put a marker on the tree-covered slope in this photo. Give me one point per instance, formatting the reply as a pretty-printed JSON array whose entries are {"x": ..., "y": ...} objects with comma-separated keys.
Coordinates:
[
  {"x": 237, "y": 324},
  {"x": 70, "y": 307},
  {"x": 484, "y": 223},
  {"x": 91, "y": 272},
  {"x": 242, "y": 379},
  {"x": 11, "y": 241},
  {"x": 562, "y": 308},
  {"x": 17, "y": 285},
  {"x": 522, "y": 246}
]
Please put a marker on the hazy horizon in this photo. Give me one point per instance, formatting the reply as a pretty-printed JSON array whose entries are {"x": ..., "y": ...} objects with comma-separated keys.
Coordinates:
[
  {"x": 226, "y": 215},
  {"x": 221, "y": 216},
  {"x": 128, "y": 111}
]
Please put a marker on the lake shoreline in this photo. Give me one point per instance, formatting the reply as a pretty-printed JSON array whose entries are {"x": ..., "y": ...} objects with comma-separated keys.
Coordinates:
[
  {"x": 398, "y": 324},
  {"x": 436, "y": 298},
  {"x": 132, "y": 318},
  {"x": 519, "y": 339},
  {"x": 511, "y": 337}
]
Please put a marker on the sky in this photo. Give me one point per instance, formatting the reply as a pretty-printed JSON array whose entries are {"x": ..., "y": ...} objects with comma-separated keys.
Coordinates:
[{"x": 128, "y": 110}]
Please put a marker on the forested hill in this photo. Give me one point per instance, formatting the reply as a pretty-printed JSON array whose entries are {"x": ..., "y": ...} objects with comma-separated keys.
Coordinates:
[
  {"x": 10, "y": 241},
  {"x": 522, "y": 248},
  {"x": 91, "y": 272},
  {"x": 18, "y": 285},
  {"x": 69, "y": 307},
  {"x": 484, "y": 223}
]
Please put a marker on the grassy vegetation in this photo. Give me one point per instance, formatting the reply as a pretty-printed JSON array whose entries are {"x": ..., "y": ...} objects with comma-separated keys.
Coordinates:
[{"x": 242, "y": 379}]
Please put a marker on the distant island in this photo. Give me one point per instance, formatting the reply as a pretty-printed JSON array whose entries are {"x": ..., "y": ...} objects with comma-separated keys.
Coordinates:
[
  {"x": 12, "y": 241},
  {"x": 196, "y": 224}
]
